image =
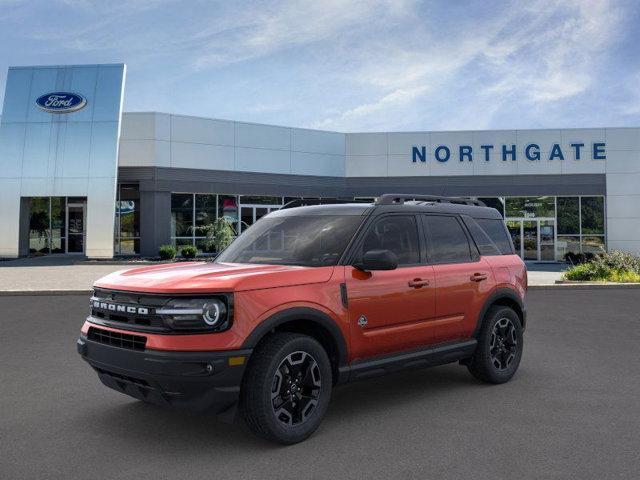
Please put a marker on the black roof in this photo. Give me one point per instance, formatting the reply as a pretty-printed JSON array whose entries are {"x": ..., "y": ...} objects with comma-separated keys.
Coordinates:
[{"x": 457, "y": 207}]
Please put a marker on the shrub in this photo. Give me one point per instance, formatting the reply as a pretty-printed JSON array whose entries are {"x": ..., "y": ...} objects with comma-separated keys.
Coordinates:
[
  {"x": 188, "y": 251},
  {"x": 578, "y": 258},
  {"x": 219, "y": 234},
  {"x": 167, "y": 252},
  {"x": 614, "y": 266},
  {"x": 617, "y": 260}
]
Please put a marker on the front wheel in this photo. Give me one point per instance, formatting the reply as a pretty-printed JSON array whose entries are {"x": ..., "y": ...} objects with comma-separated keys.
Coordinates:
[
  {"x": 499, "y": 349},
  {"x": 287, "y": 387}
]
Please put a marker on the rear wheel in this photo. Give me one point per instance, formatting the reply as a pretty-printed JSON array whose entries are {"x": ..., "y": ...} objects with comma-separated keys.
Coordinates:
[
  {"x": 287, "y": 387},
  {"x": 500, "y": 343}
]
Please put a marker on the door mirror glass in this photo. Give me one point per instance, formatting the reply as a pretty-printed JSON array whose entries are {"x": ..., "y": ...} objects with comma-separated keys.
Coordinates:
[{"x": 378, "y": 260}]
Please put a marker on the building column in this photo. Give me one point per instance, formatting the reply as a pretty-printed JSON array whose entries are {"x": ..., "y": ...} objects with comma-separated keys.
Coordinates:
[{"x": 155, "y": 221}]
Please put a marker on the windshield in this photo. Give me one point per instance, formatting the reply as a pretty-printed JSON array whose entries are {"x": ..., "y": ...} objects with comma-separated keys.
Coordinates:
[{"x": 313, "y": 241}]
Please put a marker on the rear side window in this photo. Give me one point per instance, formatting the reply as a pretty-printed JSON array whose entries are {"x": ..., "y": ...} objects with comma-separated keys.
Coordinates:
[
  {"x": 397, "y": 233},
  {"x": 486, "y": 245},
  {"x": 497, "y": 232},
  {"x": 447, "y": 240}
]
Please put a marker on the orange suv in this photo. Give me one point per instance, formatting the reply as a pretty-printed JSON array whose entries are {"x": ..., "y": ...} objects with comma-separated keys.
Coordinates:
[{"x": 311, "y": 297}]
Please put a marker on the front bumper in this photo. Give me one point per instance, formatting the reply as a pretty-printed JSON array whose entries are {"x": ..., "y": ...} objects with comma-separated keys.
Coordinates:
[{"x": 198, "y": 381}]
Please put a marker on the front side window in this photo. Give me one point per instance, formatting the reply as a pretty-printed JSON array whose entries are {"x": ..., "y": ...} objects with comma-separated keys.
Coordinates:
[
  {"x": 311, "y": 241},
  {"x": 448, "y": 242},
  {"x": 396, "y": 233}
]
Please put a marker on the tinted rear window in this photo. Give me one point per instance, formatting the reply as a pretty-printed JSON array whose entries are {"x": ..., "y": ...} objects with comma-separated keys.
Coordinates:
[
  {"x": 448, "y": 242},
  {"x": 497, "y": 232}
]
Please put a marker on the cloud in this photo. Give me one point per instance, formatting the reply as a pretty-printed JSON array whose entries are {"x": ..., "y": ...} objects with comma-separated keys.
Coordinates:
[
  {"x": 343, "y": 64},
  {"x": 535, "y": 53}
]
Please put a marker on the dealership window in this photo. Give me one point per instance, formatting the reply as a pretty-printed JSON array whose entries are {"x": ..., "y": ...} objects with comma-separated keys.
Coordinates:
[
  {"x": 592, "y": 215},
  {"x": 40, "y": 227},
  {"x": 580, "y": 225},
  {"x": 127, "y": 226},
  {"x": 56, "y": 225},
  {"x": 188, "y": 212},
  {"x": 568, "y": 215},
  {"x": 228, "y": 209},
  {"x": 530, "y": 207}
]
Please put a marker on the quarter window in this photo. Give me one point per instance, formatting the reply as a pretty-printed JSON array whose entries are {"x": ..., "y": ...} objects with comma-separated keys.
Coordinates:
[
  {"x": 398, "y": 234},
  {"x": 448, "y": 242},
  {"x": 497, "y": 232}
]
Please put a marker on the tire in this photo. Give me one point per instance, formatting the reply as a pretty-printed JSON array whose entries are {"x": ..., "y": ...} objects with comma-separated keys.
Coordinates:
[
  {"x": 500, "y": 343},
  {"x": 287, "y": 388}
]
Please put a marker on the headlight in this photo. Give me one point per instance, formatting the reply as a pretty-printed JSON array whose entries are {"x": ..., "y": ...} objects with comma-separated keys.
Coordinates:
[{"x": 195, "y": 314}]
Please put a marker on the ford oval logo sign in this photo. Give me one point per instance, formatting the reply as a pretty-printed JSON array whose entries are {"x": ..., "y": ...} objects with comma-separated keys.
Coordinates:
[{"x": 61, "y": 102}]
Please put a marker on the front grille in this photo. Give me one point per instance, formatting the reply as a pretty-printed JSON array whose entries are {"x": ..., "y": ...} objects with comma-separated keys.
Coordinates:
[
  {"x": 117, "y": 339},
  {"x": 137, "y": 311}
]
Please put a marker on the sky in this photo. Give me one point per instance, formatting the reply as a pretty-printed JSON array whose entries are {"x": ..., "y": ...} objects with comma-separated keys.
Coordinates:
[{"x": 351, "y": 65}]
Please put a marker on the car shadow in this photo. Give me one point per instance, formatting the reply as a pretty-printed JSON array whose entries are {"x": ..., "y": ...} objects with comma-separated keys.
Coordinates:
[{"x": 148, "y": 426}]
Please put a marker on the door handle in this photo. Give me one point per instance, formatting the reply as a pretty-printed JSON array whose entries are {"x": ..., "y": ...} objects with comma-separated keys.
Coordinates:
[
  {"x": 418, "y": 282},
  {"x": 478, "y": 277}
]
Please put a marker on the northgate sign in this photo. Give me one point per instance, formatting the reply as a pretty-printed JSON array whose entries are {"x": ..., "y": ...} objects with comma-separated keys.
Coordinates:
[{"x": 532, "y": 152}]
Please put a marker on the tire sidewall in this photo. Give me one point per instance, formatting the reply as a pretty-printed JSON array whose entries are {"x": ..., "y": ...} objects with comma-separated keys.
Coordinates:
[
  {"x": 500, "y": 376},
  {"x": 297, "y": 433}
]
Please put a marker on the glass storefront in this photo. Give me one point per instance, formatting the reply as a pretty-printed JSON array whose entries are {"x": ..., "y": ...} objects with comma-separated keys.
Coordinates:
[
  {"x": 543, "y": 228},
  {"x": 127, "y": 227},
  {"x": 191, "y": 211},
  {"x": 57, "y": 225},
  {"x": 547, "y": 228}
]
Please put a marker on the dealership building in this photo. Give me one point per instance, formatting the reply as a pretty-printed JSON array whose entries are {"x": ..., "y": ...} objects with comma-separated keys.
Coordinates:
[{"x": 79, "y": 176}]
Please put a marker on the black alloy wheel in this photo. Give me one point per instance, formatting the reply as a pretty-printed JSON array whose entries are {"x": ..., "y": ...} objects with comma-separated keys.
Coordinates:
[
  {"x": 296, "y": 388},
  {"x": 500, "y": 346},
  {"x": 504, "y": 343},
  {"x": 286, "y": 388}
]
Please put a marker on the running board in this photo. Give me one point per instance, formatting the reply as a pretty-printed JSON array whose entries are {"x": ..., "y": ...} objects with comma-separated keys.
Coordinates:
[{"x": 429, "y": 357}]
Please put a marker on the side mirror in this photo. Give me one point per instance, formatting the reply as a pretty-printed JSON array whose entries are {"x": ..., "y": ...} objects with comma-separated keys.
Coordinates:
[{"x": 378, "y": 260}]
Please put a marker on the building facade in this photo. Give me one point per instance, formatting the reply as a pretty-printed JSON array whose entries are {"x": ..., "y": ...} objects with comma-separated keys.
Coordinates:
[{"x": 559, "y": 190}]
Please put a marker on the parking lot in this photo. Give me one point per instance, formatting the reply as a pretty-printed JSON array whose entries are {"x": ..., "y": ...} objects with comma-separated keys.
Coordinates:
[{"x": 572, "y": 411}]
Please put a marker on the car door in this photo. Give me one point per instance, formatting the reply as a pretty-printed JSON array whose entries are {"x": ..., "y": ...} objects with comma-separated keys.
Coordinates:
[
  {"x": 462, "y": 277},
  {"x": 390, "y": 310}
]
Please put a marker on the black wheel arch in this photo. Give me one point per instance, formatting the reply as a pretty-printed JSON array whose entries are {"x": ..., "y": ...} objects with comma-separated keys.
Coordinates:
[
  {"x": 508, "y": 298},
  {"x": 308, "y": 321}
]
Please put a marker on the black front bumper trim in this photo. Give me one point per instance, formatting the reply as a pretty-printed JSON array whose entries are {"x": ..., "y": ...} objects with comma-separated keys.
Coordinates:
[{"x": 199, "y": 381}]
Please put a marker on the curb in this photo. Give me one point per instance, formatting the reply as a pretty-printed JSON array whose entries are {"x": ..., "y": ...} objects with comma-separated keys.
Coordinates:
[
  {"x": 41, "y": 293},
  {"x": 584, "y": 286}
]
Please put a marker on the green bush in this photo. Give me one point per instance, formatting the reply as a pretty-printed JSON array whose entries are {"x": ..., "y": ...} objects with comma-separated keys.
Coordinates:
[
  {"x": 614, "y": 266},
  {"x": 188, "y": 251},
  {"x": 167, "y": 252},
  {"x": 218, "y": 235}
]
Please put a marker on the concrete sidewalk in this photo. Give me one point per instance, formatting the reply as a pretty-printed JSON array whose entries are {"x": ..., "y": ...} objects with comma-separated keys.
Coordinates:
[
  {"x": 544, "y": 273},
  {"x": 52, "y": 274},
  {"x": 71, "y": 275}
]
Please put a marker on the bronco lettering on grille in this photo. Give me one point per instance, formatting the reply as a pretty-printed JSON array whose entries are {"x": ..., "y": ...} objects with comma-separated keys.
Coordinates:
[{"x": 113, "y": 307}]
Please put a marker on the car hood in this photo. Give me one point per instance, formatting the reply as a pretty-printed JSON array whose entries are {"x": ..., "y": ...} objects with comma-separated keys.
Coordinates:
[{"x": 204, "y": 277}]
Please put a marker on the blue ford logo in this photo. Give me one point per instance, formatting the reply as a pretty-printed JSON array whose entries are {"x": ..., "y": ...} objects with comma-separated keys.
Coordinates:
[{"x": 61, "y": 102}]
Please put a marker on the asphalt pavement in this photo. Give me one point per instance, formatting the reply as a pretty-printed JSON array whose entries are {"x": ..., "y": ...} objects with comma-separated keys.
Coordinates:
[{"x": 572, "y": 410}]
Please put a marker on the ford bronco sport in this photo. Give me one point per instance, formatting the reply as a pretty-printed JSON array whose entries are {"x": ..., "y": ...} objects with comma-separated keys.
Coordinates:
[{"x": 311, "y": 297}]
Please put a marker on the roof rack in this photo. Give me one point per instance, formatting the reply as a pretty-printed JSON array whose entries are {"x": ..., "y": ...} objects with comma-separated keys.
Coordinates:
[
  {"x": 400, "y": 198},
  {"x": 305, "y": 202}
]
